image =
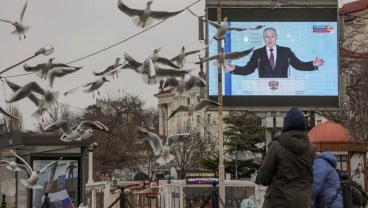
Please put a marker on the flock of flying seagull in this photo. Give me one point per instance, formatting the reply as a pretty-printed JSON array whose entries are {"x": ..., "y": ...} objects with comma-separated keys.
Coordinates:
[{"x": 152, "y": 69}]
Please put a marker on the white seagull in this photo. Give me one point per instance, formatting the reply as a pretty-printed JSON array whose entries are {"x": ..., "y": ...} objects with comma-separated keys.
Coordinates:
[
  {"x": 13, "y": 166},
  {"x": 110, "y": 70},
  {"x": 180, "y": 59},
  {"x": 31, "y": 96},
  {"x": 158, "y": 59},
  {"x": 221, "y": 58},
  {"x": 77, "y": 133},
  {"x": 48, "y": 98},
  {"x": 143, "y": 18},
  {"x": 90, "y": 86},
  {"x": 59, "y": 72},
  {"x": 42, "y": 69},
  {"x": 34, "y": 174},
  {"x": 20, "y": 29},
  {"x": 223, "y": 27},
  {"x": 181, "y": 86},
  {"x": 150, "y": 71},
  {"x": 204, "y": 103},
  {"x": 159, "y": 149}
]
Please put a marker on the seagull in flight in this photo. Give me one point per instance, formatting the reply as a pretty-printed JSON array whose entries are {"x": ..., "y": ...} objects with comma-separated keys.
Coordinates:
[
  {"x": 76, "y": 133},
  {"x": 42, "y": 69},
  {"x": 59, "y": 72},
  {"x": 180, "y": 59},
  {"x": 160, "y": 149},
  {"x": 223, "y": 27},
  {"x": 34, "y": 174},
  {"x": 204, "y": 103},
  {"x": 144, "y": 18},
  {"x": 157, "y": 59},
  {"x": 20, "y": 29},
  {"x": 31, "y": 96},
  {"x": 110, "y": 70},
  {"x": 221, "y": 58},
  {"x": 48, "y": 98},
  {"x": 13, "y": 166},
  {"x": 181, "y": 86},
  {"x": 2, "y": 111},
  {"x": 90, "y": 87},
  {"x": 150, "y": 71}
]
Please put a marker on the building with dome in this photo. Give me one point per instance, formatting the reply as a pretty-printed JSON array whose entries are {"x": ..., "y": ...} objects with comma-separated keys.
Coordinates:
[{"x": 351, "y": 155}]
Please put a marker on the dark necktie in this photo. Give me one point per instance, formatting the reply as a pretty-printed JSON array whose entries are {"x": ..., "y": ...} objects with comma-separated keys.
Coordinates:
[{"x": 272, "y": 60}]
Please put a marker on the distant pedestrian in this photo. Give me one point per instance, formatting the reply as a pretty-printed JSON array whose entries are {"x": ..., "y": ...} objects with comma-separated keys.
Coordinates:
[
  {"x": 287, "y": 168},
  {"x": 70, "y": 170},
  {"x": 326, "y": 182}
]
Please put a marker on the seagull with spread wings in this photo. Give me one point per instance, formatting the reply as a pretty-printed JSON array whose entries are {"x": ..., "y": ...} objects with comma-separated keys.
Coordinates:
[
  {"x": 76, "y": 133},
  {"x": 110, "y": 70},
  {"x": 20, "y": 29},
  {"x": 13, "y": 166},
  {"x": 160, "y": 149},
  {"x": 42, "y": 69},
  {"x": 34, "y": 174},
  {"x": 144, "y": 18},
  {"x": 181, "y": 86},
  {"x": 158, "y": 59},
  {"x": 221, "y": 57},
  {"x": 223, "y": 27},
  {"x": 48, "y": 98},
  {"x": 90, "y": 86},
  {"x": 204, "y": 103},
  {"x": 31, "y": 96},
  {"x": 150, "y": 71},
  {"x": 180, "y": 59},
  {"x": 59, "y": 72}
]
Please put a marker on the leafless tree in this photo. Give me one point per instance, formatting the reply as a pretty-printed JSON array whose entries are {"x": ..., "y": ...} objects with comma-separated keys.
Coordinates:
[
  {"x": 13, "y": 126},
  {"x": 121, "y": 147},
  {"x": 353, "y": 111}
]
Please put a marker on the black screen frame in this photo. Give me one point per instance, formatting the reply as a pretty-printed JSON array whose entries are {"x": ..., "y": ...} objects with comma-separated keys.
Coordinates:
[{"x": 277, "y": 15}]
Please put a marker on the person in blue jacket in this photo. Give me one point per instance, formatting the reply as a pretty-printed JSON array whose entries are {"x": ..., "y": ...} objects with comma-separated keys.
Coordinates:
[{"x": 326, "y": 191}]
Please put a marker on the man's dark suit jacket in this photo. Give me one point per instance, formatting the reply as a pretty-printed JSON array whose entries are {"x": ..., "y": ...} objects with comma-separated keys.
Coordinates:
[{"x": 259, "y": 60}]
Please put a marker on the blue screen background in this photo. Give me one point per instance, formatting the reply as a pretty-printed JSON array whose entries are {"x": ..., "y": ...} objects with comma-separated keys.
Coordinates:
[{"x": 299, "y": 37}]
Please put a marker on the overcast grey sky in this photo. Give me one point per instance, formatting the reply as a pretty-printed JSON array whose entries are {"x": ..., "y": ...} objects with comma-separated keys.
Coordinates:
[{"x": 77, "y": 28}]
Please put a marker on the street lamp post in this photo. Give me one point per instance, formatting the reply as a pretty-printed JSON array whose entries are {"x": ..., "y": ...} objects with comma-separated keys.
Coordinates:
[
  {"x": 91, "y": 148},
  {"x": 47, "y": 50}
]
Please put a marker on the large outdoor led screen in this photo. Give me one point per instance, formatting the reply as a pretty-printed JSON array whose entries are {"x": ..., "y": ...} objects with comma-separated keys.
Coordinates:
[{"x": 309, "y": 33}]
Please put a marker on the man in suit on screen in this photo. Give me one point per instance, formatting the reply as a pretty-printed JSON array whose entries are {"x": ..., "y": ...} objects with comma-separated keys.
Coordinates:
[{"x": 272, "y": 61}]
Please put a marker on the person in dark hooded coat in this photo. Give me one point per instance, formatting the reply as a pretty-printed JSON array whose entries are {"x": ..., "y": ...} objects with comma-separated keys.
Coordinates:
[{"x": 287, "y": 168}]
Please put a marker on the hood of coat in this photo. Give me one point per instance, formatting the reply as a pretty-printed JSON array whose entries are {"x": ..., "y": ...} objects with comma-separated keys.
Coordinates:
[
  {"x": 329, "y": 157},
  {"x": 295, "y": 141},
  {"x": 294, "y": 120}
]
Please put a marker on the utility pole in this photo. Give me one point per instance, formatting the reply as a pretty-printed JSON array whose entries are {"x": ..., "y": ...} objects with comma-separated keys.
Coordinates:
[{"x": 220, "y": 120}]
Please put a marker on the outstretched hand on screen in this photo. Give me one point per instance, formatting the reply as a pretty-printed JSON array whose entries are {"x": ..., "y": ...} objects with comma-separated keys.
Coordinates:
[
  {"x": 318, "y": 62},
  {"x": 228, "y": 67}
]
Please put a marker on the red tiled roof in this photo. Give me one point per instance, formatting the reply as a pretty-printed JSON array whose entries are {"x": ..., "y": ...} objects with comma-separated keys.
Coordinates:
[
  {"x": 329, "y": 131},
  {"x": 355, "y": 6}
]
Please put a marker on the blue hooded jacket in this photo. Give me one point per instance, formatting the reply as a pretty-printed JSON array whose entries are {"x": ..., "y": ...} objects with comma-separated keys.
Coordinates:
[{"x": 326, "y": 181}]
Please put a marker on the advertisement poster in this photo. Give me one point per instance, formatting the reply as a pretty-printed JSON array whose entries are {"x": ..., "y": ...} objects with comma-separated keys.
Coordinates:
[{"x": 60, "y": 181}]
